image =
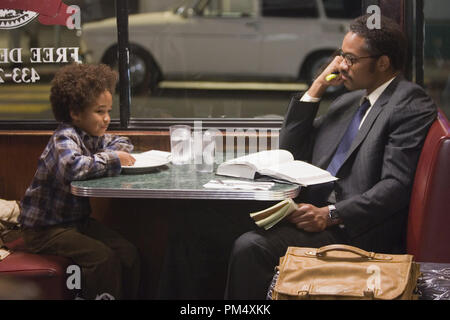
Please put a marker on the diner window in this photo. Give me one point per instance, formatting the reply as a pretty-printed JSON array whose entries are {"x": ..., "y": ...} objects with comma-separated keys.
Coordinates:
[
  {"x": 437, "y": 52},
  {"x": 290, "y": 8},
  {"x": 231, "y": 62},
  {"x": 342, "y": 9},
  {"x": 229, "y": 8},
  {"x": 187, "y": 59},
  {"x": 222, "y": 60},
  {"x": 34, "y": 44},
  {"x": 30, "y": 54}
]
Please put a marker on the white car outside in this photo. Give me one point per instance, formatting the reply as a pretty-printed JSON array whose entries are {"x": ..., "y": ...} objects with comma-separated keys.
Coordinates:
[{"x": 283, "y": 40}]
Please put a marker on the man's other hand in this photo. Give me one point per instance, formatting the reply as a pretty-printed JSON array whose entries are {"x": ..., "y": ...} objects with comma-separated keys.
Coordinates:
[{"x": 310, "y": 218}]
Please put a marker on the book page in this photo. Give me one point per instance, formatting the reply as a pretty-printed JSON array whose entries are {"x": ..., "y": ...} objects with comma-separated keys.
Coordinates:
[
  {"x": 236, "y": 170},
  {"x": 264, "y": 159},
  {"x": 299, "y": 172},
  {"x": 267, "y": 218}
]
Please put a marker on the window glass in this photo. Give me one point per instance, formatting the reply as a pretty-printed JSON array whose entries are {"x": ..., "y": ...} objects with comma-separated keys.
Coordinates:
[
  {"x": 229, "y": 8},
  {"x": 223, "y": 59},
  {"x": 34, "y": 44},
  {"x": 193, "y": 59},
  {"x": 290, "y": 8},
  {"x": 437, "y": 52},
  {"x": 342, "y": 9}
]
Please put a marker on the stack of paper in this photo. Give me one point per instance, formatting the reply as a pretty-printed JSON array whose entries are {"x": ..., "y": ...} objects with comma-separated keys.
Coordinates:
[
  {"x": 238, "y": 185},
  {"x": 269, "y": 217}
]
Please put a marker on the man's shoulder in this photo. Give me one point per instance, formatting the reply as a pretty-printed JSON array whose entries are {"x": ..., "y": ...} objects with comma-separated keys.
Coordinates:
[
  {"x": 404, "y": 85},
  {"x": 407, "y": 94}
]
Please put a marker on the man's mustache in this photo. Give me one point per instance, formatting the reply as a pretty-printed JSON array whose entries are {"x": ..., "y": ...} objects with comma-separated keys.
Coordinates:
[{"x": 345, "y": 74}]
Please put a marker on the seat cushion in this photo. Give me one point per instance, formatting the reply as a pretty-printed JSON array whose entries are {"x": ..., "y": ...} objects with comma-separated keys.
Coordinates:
[
  {"x": 429, "y": 217},
  {"x": 46, "y": 272}
]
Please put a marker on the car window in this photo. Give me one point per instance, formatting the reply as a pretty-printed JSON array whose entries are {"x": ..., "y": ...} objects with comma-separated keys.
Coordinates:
[
  {"x": 290, "y": 8},
  {"x": 342, "y": 9},
  {"x": 229, "y": 8}
]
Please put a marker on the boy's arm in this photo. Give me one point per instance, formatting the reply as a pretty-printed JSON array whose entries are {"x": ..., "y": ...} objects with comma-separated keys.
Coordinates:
[
  {"x": 74, "y": 165},
  {"x": 117, "y": 143}
]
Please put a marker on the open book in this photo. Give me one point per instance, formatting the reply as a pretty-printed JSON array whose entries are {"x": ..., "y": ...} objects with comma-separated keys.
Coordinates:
[
  {"x": 269, "y": 217},
  {"x": 279, "y": 164}
]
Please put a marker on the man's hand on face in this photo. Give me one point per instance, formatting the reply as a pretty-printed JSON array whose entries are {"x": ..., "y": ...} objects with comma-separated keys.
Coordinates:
[
  {"x": 310, "y": 218},
  {"x": 320, "y": 85}
]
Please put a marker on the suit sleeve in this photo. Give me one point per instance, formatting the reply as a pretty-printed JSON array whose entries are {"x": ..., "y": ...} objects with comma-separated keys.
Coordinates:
[
  {"x": 408, "y": 127},
  {"x": 117, "y": 143},
  {"x": 74, "y": 165},
  {"x": 297, "y": 132}
]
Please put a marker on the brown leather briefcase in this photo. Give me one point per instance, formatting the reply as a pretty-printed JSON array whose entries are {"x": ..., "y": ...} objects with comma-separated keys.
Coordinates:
[{"x": 345, "y": 272}]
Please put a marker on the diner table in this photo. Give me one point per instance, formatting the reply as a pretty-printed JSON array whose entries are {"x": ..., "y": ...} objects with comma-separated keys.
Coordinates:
[
  {"x": 176, "y": 182},
  {"x": 148, "y": 208}
]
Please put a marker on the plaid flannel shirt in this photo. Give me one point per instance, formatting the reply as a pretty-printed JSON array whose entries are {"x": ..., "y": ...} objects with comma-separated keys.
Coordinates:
[{"x": 71, "y": 154}]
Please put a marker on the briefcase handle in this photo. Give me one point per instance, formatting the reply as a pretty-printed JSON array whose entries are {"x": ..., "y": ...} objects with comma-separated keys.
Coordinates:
[{"x": 321, "y": 252}]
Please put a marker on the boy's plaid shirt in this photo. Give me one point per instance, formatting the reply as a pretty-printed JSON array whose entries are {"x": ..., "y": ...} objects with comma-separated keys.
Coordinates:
[{"x": 71, "y": 154}]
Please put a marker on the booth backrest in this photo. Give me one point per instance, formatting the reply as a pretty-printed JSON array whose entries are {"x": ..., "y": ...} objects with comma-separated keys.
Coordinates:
[{"x": 428, "y": 236}]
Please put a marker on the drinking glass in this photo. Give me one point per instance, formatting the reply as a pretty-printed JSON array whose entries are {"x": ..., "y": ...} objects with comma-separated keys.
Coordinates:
[
  {"x": 204, "y": 151},
  {"x": 180, "y": 144}
]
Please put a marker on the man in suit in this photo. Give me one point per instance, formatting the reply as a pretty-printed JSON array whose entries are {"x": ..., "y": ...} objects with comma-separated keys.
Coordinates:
[{"x": 372, "y": 147}]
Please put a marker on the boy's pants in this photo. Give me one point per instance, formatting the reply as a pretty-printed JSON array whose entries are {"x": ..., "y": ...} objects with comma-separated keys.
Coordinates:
[{"x": 109, "y": 263}]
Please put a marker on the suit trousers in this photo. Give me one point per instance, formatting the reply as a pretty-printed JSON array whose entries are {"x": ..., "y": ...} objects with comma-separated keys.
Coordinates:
[
  {"x": 256, "y": 254},
  {"x": 109, "y": 263}
]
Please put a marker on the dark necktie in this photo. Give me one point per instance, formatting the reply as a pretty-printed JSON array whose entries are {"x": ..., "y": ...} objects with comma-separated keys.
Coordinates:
[{"x": 347, "y": 139}]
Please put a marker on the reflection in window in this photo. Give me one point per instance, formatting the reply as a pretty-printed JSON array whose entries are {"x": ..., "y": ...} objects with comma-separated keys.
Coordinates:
[
  {"x": 229, "y": 8},
  {"x": 183, "y": 65},
  {"x": 31, "y": 54},
  {"x": 437, "y": 52},
  {"x": 342, "y": 9},
  {"x": 290, "y": 8}
]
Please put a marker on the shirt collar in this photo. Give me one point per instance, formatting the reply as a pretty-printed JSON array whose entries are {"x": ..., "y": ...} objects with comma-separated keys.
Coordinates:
[
  {"x": 373, "y": 97},
  {"x": 84, "y": 136}
]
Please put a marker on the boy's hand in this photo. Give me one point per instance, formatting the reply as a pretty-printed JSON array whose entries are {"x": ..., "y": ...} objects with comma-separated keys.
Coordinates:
[{"x": 126, "y": 159}]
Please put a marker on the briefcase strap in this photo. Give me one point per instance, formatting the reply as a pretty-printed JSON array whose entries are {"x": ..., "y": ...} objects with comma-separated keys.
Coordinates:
[{"x": 322, "y": 251}]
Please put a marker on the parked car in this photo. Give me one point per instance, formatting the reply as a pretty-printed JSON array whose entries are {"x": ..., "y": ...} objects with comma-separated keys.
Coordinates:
[{"x": 282, "y": 40}]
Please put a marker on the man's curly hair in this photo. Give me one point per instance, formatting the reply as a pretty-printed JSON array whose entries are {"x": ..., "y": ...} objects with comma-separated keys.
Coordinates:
[
  {"x": 389, "y": 40},
  {"x": 77, "y": 86}
]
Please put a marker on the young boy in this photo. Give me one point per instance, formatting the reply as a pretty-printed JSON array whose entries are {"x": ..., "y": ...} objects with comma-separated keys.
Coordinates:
[{"x": 56, "y": 222}]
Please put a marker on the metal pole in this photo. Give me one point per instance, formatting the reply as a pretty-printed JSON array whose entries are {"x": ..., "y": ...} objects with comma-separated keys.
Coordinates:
[
  {"x": 420, "y": 29},
  {"x": 124, "y": 54}
]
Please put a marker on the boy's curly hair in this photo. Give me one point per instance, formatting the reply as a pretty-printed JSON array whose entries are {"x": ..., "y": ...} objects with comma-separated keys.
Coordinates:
[{"x": 77, "y": 86}]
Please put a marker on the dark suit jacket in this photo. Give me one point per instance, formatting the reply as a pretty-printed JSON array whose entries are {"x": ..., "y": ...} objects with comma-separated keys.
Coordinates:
[{"x": 375, "y": 181}]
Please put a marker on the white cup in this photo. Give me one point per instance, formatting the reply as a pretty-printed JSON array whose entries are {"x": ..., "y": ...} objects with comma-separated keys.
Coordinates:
[
  {"x": 180, "y": 144},
  {"x": 204, "y": 150}
]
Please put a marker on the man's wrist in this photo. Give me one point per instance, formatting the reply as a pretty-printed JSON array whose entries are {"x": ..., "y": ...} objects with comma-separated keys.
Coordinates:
[
  {"x": 317, "y": 90},
  {"x": 333, "y": 215},
  {"x": 307, "y": 98}
]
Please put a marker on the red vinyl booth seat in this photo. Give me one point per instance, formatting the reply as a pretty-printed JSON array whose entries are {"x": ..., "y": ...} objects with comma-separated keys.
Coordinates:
[
  {"x": 47, "y": 273},
  {"x": 428, "y": 235}
]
